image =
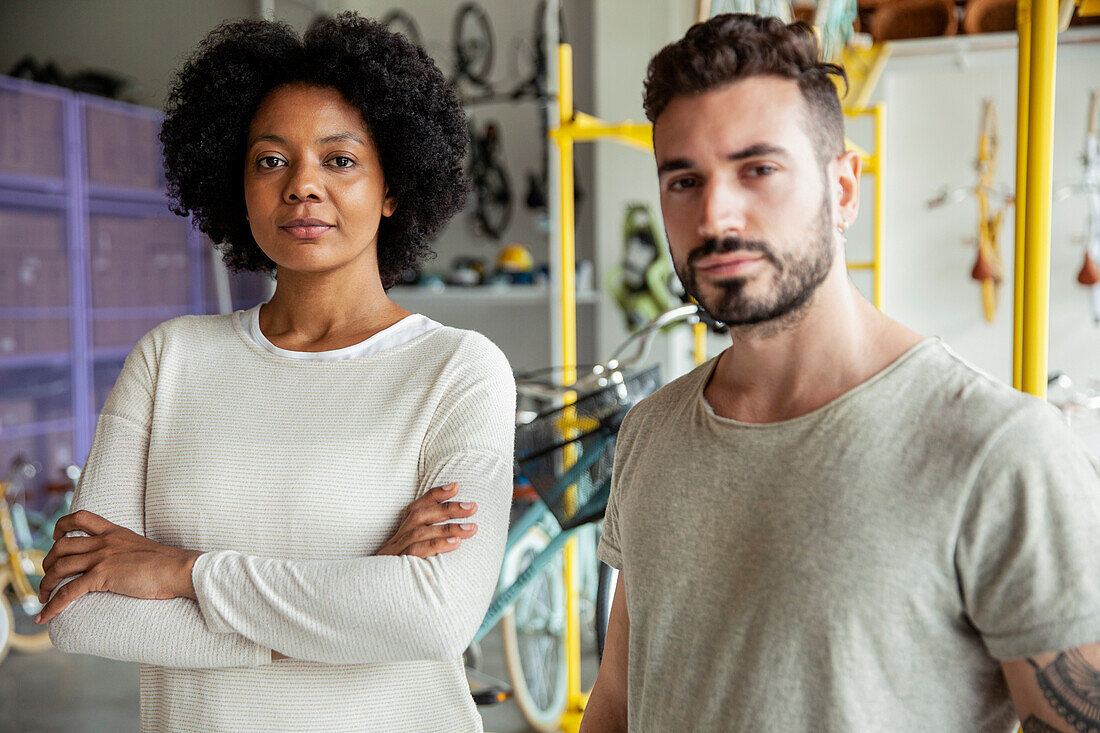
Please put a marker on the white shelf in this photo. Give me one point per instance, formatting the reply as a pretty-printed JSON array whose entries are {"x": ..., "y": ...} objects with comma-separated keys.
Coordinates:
[{"x": 487, "y": 295}]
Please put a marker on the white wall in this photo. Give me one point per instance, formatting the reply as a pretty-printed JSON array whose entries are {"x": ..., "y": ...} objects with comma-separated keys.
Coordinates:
[
  {"x": 141, "y": 40},
  {"x": 934, "y": 103}
]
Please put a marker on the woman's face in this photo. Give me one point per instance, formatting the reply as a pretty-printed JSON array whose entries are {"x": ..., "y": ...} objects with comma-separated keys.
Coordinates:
[{"x": 313, "y": 185}]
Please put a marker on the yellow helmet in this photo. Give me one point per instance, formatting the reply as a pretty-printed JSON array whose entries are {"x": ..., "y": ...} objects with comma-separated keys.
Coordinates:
[{"x": 515, "y": 258}]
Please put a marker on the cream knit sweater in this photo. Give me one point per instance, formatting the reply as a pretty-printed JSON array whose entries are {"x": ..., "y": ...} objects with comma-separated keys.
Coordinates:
[{"x": 289, "y": 475}]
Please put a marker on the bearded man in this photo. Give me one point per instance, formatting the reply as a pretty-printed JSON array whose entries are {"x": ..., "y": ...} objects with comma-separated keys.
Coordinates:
[{"x": 837, "y": 524}]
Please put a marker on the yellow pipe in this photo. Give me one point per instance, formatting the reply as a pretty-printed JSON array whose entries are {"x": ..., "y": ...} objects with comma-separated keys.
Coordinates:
[
  {"x": 700, "y": 332},
  {"x": 1040, "y": 143},
  {"x": 575, "y": 698},
  {"x": 1023, "y": 67},
  {"x": 879, "y": 223}
]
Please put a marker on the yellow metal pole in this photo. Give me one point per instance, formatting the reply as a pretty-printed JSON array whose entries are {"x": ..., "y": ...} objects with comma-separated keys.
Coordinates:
[
  {"x": 575, "y": 699},
  {"x": 1023, "y": 77},
  {"x": 1040, "y": 143},
  {"x": 700, "y": 331},
  {"x": 880, "y": 200}
]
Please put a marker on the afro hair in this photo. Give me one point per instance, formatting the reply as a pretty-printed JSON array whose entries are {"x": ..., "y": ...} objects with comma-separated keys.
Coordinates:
[{"x": 414, "y": 117}]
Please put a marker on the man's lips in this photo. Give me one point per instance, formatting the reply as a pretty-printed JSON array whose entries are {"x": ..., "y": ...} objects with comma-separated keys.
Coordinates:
[{"x": 727, "y": 264}]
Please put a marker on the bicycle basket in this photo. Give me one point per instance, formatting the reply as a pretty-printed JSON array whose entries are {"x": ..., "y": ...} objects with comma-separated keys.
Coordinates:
[{"x": 566, "y": 454}]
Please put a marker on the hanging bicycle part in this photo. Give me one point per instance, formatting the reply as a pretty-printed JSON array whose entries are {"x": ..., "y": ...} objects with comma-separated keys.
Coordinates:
[
  {"x": 644, "y": 283},
  {"x": 472, "y": 42},
  {"x": 399, "y": 21},
  {"x": 993, "y": 200},
  {"x": 1089, "y": 187},
  {"x": 491, "y": 186}
]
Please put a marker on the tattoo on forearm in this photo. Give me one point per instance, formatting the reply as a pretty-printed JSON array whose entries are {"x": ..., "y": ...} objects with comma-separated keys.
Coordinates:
[
  {"x": 1072, "y": 687},
  {"x": 1034, "y": 725}
]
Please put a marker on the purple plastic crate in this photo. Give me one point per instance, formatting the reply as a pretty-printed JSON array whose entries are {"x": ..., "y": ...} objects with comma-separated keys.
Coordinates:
[
  {"x": 139, "y": 261},
  {"x": 31, "y": 140},
  {"x": 122, "y": 148},
  {"x": 35, "y": 267}
]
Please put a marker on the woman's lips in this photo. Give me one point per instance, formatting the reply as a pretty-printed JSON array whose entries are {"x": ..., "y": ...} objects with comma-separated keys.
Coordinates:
[{"x": 306, "y": 232}]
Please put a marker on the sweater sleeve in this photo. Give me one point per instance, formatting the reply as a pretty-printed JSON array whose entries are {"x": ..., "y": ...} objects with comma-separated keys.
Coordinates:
[
  {"x": 388, "y": 609},
  {"x": 168, "y": 633}
]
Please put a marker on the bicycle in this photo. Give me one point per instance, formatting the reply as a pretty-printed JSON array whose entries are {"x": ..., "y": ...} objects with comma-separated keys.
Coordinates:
[
  {"x": 491, "y": 185},
  {"x": 21, "y": 566},
  {"x": 565, "y": 453}
]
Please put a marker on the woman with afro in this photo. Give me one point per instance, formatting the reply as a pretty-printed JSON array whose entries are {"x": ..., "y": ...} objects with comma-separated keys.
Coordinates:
[{"x": 266, "y": 520}]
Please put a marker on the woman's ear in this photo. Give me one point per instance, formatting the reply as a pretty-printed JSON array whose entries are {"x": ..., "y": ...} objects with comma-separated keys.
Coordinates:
[{"x": 389, "y": 204}]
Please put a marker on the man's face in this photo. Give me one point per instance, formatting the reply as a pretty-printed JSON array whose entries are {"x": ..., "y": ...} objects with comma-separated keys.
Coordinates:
[{"x": 749, "y": 220}]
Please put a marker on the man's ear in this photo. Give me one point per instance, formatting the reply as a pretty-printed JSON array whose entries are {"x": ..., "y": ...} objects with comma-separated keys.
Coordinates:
[{"x": 844, "y": 179}]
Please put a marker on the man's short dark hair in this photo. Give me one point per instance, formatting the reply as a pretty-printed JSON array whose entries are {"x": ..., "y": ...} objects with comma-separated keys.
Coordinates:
[
  {"x": 414, "y": 117},
  {"x": 735, "y": 46}
]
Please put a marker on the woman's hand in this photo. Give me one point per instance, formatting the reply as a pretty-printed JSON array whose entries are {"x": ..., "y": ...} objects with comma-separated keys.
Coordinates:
[
  {"x": 111, "y": 558},
  {"x": 422, "y": 535}
]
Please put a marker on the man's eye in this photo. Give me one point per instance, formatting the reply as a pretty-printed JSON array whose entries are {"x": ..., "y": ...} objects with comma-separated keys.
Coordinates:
[
  {"x": 269, "y": 161},
  {"x": 681, "y": 183},
  {"x": 342, "y": 161},
  {"x": 758, "y": 171}
]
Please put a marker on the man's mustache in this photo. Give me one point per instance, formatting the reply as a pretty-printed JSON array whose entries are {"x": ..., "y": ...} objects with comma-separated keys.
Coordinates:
[{"x": 725, "y": 245}]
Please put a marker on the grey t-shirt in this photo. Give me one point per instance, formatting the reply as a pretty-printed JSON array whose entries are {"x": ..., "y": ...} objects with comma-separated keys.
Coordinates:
[{"x": 858, "y": 568}]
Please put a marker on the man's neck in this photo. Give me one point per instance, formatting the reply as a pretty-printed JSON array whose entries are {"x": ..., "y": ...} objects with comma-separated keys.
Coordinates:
[{"x": 779, "y": 371}]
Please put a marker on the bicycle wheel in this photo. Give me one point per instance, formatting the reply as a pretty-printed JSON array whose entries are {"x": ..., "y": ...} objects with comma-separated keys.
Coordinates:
[
  {"x": 26, "y": 635},
  {"x": 494, "y": 200},
  {"x": 605, "y": 594},
  {"x": 472, "y": 38},
  {"x": 533, "y": 633}
]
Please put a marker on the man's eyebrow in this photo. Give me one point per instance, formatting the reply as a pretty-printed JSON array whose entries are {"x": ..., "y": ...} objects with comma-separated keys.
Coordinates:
[
  {"x": 752, "y": 151},
  {"x": 337, "y": 138}
]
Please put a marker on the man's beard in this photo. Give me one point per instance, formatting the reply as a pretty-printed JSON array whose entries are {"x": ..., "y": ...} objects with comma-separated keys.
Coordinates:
[{"x": 797, "y": 277}]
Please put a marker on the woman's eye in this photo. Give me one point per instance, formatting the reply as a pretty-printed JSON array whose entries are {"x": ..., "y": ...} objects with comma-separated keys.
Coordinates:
[
  {"x": 269, "y": 161},
  {"x": 342, "y": 161}
]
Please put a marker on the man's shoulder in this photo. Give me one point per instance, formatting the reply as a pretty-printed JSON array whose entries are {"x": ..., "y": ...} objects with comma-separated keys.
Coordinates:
[
  {"x": 970, "y": 409},
  {"x": 673, "y": 397}
]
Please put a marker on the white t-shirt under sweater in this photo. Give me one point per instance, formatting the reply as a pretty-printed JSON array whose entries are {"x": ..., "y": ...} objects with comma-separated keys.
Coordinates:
[
  {"x": 289, "y": 474},
  {"x": 401, "y": 332}
]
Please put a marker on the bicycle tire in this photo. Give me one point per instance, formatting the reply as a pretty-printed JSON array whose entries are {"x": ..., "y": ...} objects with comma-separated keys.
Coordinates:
[
  {"x": 543, "y": 706},
  {"x": 605, "y": 594},
  {"x": 23, "y": 641},
  {"x": 7, "y": 620},
  {"x": 494, "y": 200},
  {"x": 473, "y": 52}
]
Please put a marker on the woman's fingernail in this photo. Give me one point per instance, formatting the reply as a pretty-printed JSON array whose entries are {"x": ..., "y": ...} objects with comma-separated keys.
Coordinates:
[
  {"x": 466, "y": 527},
  {"x": 452, "y": 540},
  {"x": 467, "y": 505}
]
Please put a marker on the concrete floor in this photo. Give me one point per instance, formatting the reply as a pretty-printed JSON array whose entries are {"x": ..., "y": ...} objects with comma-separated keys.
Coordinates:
[{"x": 49, "y": 692}]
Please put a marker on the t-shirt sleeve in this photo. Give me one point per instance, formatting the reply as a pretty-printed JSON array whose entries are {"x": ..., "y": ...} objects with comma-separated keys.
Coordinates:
[{"x": 1028, "y": 552}]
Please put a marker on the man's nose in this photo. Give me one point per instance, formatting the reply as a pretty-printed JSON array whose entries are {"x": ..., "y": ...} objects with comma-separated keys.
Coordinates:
[{"x": 724, "y": 209}]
